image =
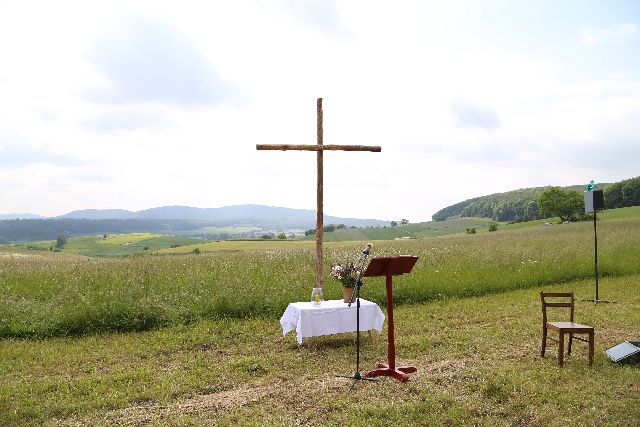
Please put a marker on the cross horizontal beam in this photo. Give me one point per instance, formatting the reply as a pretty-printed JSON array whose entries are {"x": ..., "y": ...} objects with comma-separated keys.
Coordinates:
[{"x": 285, "y": 147}]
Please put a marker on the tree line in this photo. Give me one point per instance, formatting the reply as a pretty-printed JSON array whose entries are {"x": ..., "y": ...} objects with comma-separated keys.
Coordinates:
[
  {"x": 622, "y": 194},
  {"x": 513, "y": 206},
  {"x": 524, "y": 204}
]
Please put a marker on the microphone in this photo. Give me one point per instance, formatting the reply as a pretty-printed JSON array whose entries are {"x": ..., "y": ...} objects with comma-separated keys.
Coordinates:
[{"x": 367, "y": 249}]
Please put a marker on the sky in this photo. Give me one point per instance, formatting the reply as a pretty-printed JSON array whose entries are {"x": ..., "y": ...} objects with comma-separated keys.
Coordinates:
[{"x": 139, "y": 104}]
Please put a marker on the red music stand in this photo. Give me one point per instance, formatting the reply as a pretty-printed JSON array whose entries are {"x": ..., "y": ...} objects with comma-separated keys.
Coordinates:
[{"x": 389, "y": 267}]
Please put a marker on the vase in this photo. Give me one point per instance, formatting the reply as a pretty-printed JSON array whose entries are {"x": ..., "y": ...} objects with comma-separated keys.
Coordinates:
[
  {"x": 316, "y": 296},
  {"x": 347, "y": 294}
]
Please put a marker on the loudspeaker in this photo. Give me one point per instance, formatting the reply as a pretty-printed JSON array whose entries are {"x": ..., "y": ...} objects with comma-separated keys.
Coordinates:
[{"x": 593, "y": 201}]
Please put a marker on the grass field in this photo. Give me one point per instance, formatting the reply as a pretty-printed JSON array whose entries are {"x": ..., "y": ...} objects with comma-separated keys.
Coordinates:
[
  {"x": 241, "y": 246},
  {"x": 455, "y": 226},
  {"x": 607, "y": 215},
  {"x": 414, "y": 231},
  {"x": 50, "y": 294},
  {"x": 115, "y": 245},
  {"x": 180, "y": 338},
  {"x": 477, "y": 359}
]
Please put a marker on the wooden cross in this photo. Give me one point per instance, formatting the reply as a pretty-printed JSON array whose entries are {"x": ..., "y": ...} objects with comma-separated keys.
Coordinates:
[{"x": 319, "y": 148}]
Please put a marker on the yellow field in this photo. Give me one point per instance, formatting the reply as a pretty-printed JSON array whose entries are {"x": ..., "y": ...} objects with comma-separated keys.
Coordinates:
[{"x": 126, "y": 239}]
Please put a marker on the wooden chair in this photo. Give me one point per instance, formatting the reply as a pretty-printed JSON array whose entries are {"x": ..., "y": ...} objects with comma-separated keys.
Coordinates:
[{"x": 563, "y": 328}]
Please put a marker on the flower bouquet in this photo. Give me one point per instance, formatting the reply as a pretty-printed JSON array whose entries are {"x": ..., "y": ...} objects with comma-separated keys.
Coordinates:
[{"x": 347, "y": 274}]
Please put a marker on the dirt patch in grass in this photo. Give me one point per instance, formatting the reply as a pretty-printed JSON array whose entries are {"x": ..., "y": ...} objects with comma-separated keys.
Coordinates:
[
  {"x": 301, "y": 401},
  {"x": 288, "y": 396},
  {"x": 204, "y": 406}
]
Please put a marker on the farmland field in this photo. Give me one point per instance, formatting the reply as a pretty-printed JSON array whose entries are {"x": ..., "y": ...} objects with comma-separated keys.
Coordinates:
[
  {"x": 173, "y": 338},
  {"x": 115, "y": 245},
  {"x": 241, "y": 245},
  {"x": 419, "y": 230}
]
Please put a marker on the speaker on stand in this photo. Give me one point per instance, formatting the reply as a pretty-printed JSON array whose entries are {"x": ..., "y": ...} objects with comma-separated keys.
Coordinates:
[{"x": 594, "y": 202}]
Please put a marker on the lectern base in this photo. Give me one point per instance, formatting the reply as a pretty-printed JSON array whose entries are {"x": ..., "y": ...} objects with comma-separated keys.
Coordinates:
[{"x": 399, "y": 373}]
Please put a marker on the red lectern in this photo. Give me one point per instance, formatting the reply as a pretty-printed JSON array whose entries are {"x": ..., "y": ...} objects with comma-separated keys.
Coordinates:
[{"x": 389, "y": 267}]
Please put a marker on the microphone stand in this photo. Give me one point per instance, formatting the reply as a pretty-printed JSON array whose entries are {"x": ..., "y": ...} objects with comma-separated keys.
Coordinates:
[{"x": 357, "y": 376}]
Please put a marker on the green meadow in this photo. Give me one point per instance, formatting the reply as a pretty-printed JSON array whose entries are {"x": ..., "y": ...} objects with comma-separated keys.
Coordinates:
[
  {"x": 53, "y": 294},
  {"x": 115, "y": 245},
  {"x": 169, "y": 337},
  {"x": 411, "y": 231}
]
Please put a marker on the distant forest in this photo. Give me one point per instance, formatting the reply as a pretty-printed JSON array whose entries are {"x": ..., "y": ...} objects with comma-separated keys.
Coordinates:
[
  {"x": 522, "y": 205},
  {"x": 622, "y": 194}
]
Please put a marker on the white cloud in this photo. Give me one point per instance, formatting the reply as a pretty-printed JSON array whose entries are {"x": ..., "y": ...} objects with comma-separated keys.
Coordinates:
[
  {"x": 127, "y": 118},
  {"x": 470, "y": 115},
  {"x": 147, "y": 60},
  {"x": 599, "y": 36}
]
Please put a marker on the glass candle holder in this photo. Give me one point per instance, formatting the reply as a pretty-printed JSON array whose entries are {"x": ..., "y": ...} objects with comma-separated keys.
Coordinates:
[{"x": 316, "y": 296}]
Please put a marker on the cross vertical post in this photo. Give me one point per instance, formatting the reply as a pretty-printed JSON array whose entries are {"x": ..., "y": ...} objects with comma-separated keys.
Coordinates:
[
  {"x": 319, "y": 211},
  {"x": 319, "y": 147}
]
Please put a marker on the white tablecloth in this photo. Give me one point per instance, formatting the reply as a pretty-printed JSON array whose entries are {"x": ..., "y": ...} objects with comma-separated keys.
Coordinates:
[{"x": 330, "y": 317}]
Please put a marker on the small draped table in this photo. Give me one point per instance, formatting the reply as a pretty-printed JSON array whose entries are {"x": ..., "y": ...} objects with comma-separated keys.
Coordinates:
[{"x": 330, "y": 317}]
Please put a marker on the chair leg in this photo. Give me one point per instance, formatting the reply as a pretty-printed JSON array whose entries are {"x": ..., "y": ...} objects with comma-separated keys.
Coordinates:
[
  {"x": 561, "y": 349},
  {"x": 544, "y": 341},
  {"x": 570, "y": 341},
  {"x": 591, "y": 347}
]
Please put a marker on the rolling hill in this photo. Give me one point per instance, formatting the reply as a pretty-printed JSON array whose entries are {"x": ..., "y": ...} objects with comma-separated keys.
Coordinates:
[
  {"x": 512, "y": 206},
  {"x": 214, "y": 223},
  {"x": 20, "y": 216},
  {"x": 229, "y": 215},
  {"x": 522, "y": 205}
]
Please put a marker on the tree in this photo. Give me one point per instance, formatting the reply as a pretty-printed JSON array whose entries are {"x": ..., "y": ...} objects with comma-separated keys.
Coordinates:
[
  {"x": 329, "y": 228},
  {"x": 622, "y": 194},
  {"x": 404, "y": 221},
  {"x": 470, "y": 230},
  {"x": 631, "y": 192},
  {"x": 394, "y": 224},
  {"x": 310, "y": 232},
  {"x": 282, "y": 236},
  {"x": 613, "y": 196},
  {"x": 61, "y": 241},
  {"x": 493, "y": 226},
  {"x": 556, "y": 201}
]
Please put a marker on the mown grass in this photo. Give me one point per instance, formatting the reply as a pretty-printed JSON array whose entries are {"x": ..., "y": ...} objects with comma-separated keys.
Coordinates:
[
  {"x": 477, "y": 359},
  {"x": 49, "y": 294},
  {"x": 418, "y": 230},
  {"x": 241, "y": 245}
]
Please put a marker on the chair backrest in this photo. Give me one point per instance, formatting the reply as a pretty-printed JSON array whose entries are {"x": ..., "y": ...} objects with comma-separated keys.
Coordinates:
[{"x": 561, "y": 299}]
